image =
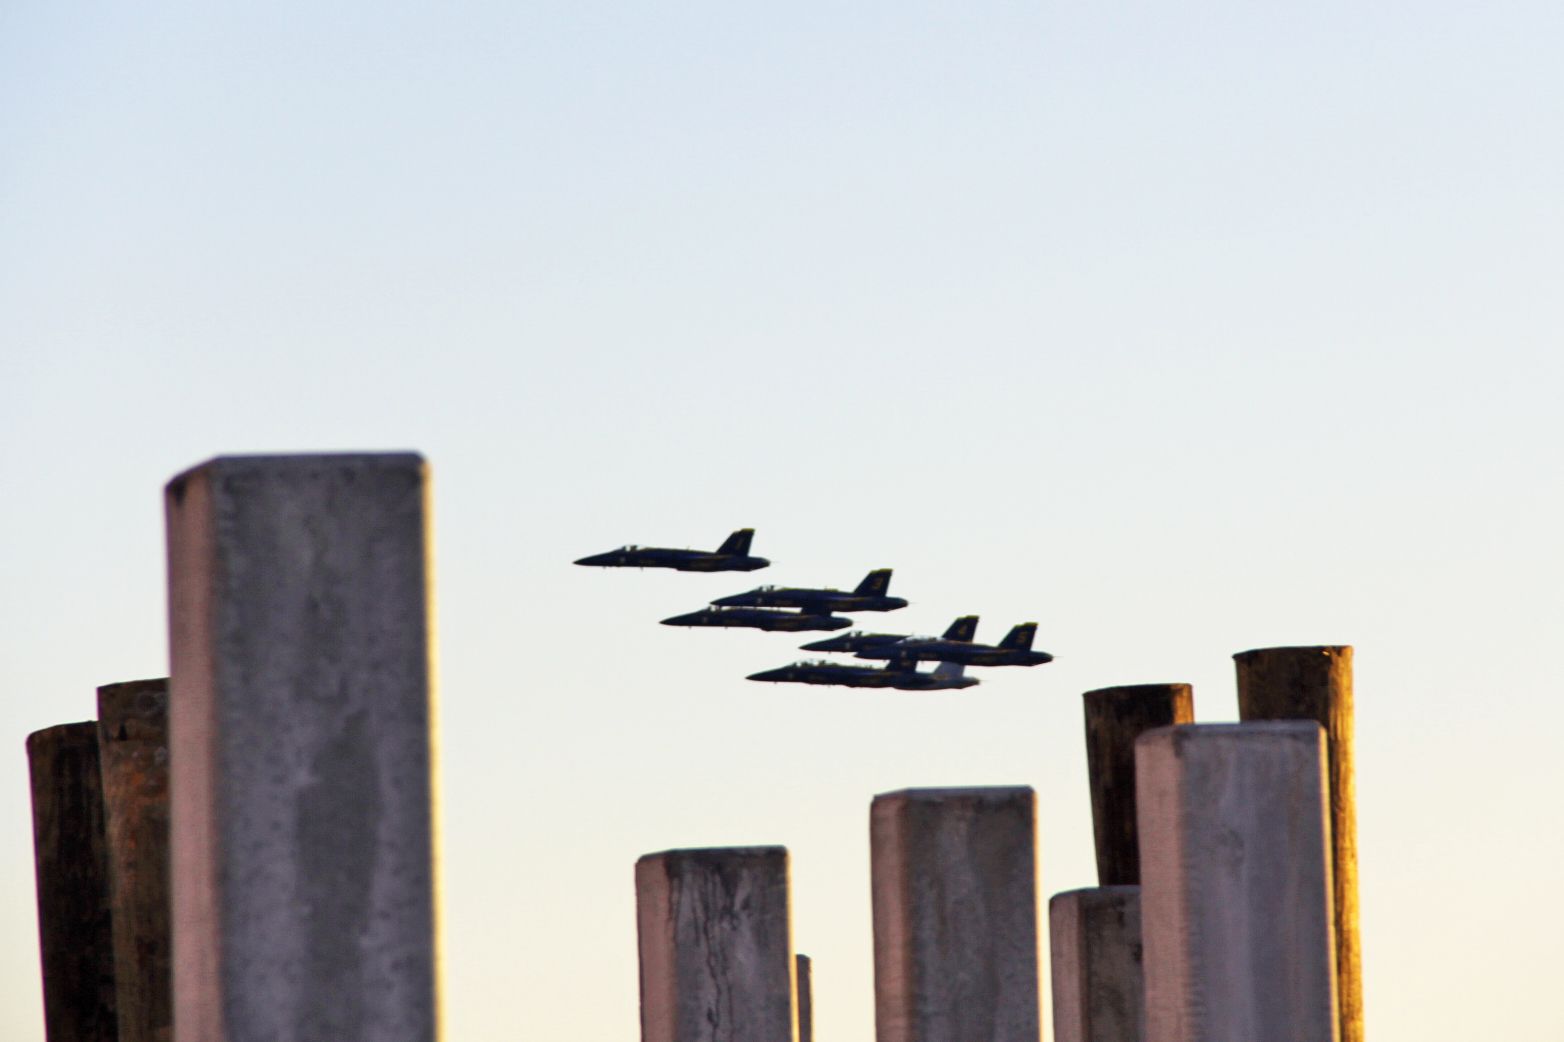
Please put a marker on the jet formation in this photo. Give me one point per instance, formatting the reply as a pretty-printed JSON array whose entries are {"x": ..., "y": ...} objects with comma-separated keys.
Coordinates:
[{"x": 794, "y": 609}]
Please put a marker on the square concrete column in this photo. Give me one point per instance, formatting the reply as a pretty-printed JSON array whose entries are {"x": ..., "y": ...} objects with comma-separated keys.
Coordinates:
[
  {"x": 299, "y": 734},
  {"x": 955, "y": 915},
  {"x": 1235, "y": 883},
  {"x": 75, "y": 917},
  {"x": 1095, "y": 948},
  {"x": 716, "y": 945},
  {"x": 133, "y": 748}
]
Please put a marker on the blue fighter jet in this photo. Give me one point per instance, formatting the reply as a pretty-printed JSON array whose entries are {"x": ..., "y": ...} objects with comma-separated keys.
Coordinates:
[
  {"x": 868, "y": 596},
  {"x": 1014, "y": 650},
  {"x": 902, "y": 677},
  {"x": 963, "y": 628},
  {"x": 760, "y": 619},
  {"x": 732, "y": 556}
]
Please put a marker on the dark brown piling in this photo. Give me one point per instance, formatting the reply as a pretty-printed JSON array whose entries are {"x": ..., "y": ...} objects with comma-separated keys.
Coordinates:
[
  {"x": 1315, "y": 683},
  {"x": 806, "y": 999},
  {"x": 75, "y": 937},
  {"x": 133, "y": 751},
  {"x": 1115, "y": 716}
]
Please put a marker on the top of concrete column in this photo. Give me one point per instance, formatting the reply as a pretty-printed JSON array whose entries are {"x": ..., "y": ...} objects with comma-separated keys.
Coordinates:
[
  {"x": 980, "y": 793},
  {"x": 1181, "y": 735},
  {"x": 304, "y": 461},
  {"x": 713, "y": 853}
]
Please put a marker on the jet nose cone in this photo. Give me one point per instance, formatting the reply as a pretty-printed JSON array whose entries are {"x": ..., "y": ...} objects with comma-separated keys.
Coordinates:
[
  {"x": 599, "y": 559},
  {"x": 766, "y": 674},
  {"x": 679, "y": 620}
]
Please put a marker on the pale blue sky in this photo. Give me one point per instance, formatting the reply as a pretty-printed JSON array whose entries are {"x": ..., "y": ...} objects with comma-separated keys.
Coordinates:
[{"x": 1179, "y": 331}]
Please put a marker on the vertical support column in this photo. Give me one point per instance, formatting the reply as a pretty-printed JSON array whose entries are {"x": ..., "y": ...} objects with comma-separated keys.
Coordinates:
[
  {"x": 75, "y": 933},
  {"x": 1115, "y": 717},
  {"x": 806, "y": 999},
  {"x": 299, "y": 741},
  {"x": 1315, "y": 683},
  {"x": 716, "y": 945},
  {"x": 1235, "y": 883},
  {"x": 1094, "y": 941},
  {"x": 955, "y": 915},
  {"x": 133, "y": 750}
]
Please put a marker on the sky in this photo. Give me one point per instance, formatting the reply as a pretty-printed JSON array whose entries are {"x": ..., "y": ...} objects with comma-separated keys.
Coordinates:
[{"x": 1178, "y": 330}]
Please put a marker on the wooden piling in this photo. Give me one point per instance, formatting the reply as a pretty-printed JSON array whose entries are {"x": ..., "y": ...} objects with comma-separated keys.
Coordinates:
[
  {"x": 75, "y": 921},
  {"x": 1115, "y": 717},
  {"x": 806, "y": 999},
  {"x": 133, "y": 751},
  {"x": 1315, "y": 683}
]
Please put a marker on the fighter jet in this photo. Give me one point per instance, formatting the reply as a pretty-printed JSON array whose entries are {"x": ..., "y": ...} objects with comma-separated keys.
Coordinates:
[
  {"x": 868, "y": 596},
  {"x": 903, "y": 677},
  {"x": 963, "y": 628},
  {"x": 732, "y": 556},
  {"x": 1014, "y": 650},
  {"x": 760, "y": 619}
]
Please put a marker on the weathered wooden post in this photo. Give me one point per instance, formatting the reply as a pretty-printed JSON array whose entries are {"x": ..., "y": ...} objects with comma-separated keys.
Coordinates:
[
  {"x": 1115, "y": 717},
  {"x": 133, "y": 750},
  {"x": 806, "y": 999},
  {"x": 299, "y": 742},
  {"x": 75, "y": 933},
  {"x": 1095, "y": 949},
  {"x": 716, "y": 948},
  {"x": 1094, "y": 934},
  {"x": 1235, "y": 883},
  {"x": 955, "y": 915},
  {"x": 1315, "y": 683}
]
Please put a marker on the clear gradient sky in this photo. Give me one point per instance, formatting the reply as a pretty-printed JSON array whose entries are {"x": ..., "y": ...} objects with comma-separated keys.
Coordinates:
[{"x": 1180, "y": 329}]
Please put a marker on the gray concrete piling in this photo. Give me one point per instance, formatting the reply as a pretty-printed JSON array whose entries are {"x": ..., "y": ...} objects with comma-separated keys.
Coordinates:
[
  {"x": 299, "y": 741},
  {"x": 716, "y": 949},
  {"x": 1095, "y": 961},
  {"x": 133, "y": 750},
  {"x": 955, "y": 915},
  {"x": 70, "y": 854},
  {"x": 1115, "y": 717},
  {"x": 1315, "y": 683},
  {"x": 1236, "y": 884}
]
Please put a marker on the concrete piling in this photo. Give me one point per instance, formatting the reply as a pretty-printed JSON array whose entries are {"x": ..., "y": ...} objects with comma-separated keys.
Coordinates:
[
  {"x": 133, "y": 750},
  {"x": 955, "y": 915},
  {"x": 1315, "y": 683},
  {"x": 1235, "y": 883},
  {"x": 75, "y": 928},
  {"x": 1115, "y": 717},
  {"x": 299, "y": 741},
  {"x": 716, "y": 949},
  {"x": 1095, "y": 958}
]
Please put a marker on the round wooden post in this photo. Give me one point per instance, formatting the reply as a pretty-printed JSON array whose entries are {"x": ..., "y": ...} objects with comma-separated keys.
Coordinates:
[
  {"x": 1315, "y": 683},
  {"x": 133, "y": 749},
  {"x": 75, "y": 935},
  {"x": 1115, "y": 716}
]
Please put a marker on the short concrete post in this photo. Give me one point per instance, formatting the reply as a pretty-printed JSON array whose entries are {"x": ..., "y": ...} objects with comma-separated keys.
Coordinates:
[
  {"x": 1115, "y": 717},
  {"x": 1094, "y": 941},
  {"x": 955, "y": 915},
  {"x": 716, "y": 945},
  {"x": 1315, "y": 683},
  {"x": 806, "y": 999},
  {"x": 133, "y": 749},
  {"x": 299, "y": 742},
  {"x": 1235, "y": 883},
  {"x": 75, "y": 932}
]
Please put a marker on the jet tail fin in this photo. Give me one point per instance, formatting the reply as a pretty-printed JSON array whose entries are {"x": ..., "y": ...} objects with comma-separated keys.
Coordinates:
[
  {"x": 950, "y": 670},
  {"x": 737, "y": 543},
  {"x": 963, "y": 629},
  {"x": 1020, "y": 637},
  {"x": 875, "y": 583}
]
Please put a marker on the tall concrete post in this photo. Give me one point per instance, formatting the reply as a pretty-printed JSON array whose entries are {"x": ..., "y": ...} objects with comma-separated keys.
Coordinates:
[
  {"x": 1235, "y": 883},
  {"x": 1095, "y": 957},
  {"x": 806, "y": 999},
  {"x": 133, "y": 749},
  {"x": 1315, "y": 683},
  {"x": 955, "y": 915},
  {"x": 716, "y": 946},
  {"x": 1115, "y": 717},
  {"x": 299, "y": 742},
  {"x": 75, "y": 931}
]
